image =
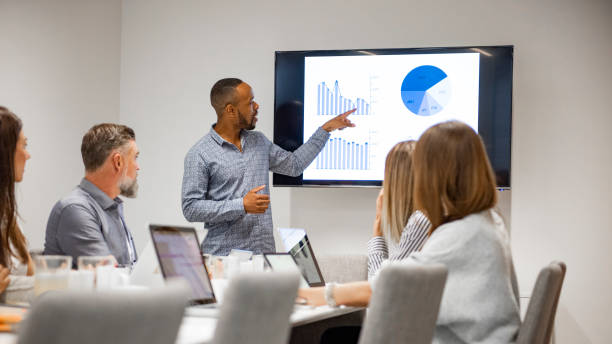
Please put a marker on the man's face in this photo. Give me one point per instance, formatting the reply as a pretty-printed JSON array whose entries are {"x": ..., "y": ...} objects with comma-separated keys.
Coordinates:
[
  {"x": 128, "y": 184},
  {"x": 246, "y": 107}
]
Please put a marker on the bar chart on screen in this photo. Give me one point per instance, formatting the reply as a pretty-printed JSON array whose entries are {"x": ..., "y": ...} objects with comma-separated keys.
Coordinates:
[
  {"x": 342, "y": 154},
  {"x": 332, "y": 103},
  {"x": 352, "y": 152}
]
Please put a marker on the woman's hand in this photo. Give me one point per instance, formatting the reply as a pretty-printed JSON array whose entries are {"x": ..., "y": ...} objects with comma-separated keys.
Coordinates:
[
  {"x": 313, "y": 296},
  {"x": 4, "y": 278},
  {"x": 30, "y": 271},
  {"x": 376, "y": 227}
]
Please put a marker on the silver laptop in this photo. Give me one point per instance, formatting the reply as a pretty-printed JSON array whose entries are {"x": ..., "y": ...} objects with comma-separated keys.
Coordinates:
[
  {"x": 179, "y": 256},
  {"x": 298, "y": 246}
]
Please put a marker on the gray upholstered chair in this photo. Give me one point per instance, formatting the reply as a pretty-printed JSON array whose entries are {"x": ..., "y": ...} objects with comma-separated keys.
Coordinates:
[
  {"x": 540, "y": 317},
  {"x": 117, "y": 317},
  {"x": 344, "y": 268},
  {"x": 256, "y": 309},
  {"x": 339, "y": 268},
  {"x": 404, "y": 305}
]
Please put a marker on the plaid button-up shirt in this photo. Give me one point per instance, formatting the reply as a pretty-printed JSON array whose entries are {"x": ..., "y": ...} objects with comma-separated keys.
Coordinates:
[{"x": 218, "y": 175}]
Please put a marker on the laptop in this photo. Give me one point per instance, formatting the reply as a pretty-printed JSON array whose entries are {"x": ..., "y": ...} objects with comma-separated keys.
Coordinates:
[
  {"x": 179, "y": 256},
  {"x": 284, "y": 262},
  {"x": 298, "y": 246}
]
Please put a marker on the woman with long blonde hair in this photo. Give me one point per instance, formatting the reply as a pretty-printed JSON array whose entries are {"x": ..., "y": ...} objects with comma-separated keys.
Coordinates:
[{"x": 398, "y": 229}]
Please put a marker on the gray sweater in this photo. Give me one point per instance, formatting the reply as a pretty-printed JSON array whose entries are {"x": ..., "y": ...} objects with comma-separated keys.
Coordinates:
[{"x": 480, "y": 299}]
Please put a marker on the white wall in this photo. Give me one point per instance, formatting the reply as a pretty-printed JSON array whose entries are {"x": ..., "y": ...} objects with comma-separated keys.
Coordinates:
[
  {"x": 59, "y": 72},
  {"x": 61, "y": 62},
  {"x": 172, "y": 53}
]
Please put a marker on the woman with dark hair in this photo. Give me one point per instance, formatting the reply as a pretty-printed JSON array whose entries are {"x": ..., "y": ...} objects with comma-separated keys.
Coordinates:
[
  {"x": 15, "y": 261},
  {"x": 454, "y": 186}
]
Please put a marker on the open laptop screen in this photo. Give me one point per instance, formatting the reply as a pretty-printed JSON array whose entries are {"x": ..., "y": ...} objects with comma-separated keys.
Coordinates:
[
  {"x": 297, "y": 244},
  {"x": 179, "y": 255},
  {"x": 304, "y": 256}
]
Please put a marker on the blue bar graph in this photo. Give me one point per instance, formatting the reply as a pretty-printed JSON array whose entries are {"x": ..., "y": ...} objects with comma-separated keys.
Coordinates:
[
  {"x": 340, "y": 154},
  {"x": 333, "y": 103}
]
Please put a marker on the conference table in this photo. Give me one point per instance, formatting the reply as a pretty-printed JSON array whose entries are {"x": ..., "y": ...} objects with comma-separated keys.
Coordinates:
[{"x": 307, "y": 324}]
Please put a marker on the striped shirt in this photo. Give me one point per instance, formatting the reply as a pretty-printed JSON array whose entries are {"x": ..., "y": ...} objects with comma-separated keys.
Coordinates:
[
  {"x": 413, "y": 237},
  {"x": 218, "y": 175}
]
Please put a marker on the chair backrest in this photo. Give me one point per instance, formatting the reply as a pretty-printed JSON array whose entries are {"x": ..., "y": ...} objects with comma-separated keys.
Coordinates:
[
  {"x": 344, "y": 268},
  {"x": 405, "y": 304},
  {"x": 256, "y": 308},
  {"x": 66, "y": 317},
  {"x": 540, "y": 316}
]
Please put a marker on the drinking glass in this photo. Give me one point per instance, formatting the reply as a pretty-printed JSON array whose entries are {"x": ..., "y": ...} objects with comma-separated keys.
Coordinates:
[
  {"x": 92, "y": 262},
  {"x": 85, "y": 277},
  {"x": 231, "y": 266},
  {"x": 217, "y": 267},
  {"x": 96, "y": 269},
  {"x": 52, "y": 273}
]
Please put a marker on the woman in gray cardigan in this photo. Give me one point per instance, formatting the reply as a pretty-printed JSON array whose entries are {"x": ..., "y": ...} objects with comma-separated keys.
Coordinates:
[{"x": 455, "y": 189}]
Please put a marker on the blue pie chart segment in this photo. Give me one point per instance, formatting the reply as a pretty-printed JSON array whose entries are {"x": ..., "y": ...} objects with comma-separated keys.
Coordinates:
[
  {"x": 413, "y": 100},
  {"x": 426, "y": 90}
]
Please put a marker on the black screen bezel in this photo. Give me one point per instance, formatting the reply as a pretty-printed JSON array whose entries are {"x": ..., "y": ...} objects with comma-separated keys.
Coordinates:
[{"x": 494, "y": 108}]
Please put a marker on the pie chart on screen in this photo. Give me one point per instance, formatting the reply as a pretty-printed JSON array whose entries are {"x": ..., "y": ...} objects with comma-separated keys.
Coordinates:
[{"x": 426, "y": 90}]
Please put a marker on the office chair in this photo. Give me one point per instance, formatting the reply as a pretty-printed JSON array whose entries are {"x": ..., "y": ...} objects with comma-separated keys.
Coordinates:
[
  {"x": 118, "y": 317},
  {"x": 405, "y": 304},
  {"x": 540, "y": 316},
  {"x": 344, "y": 268},
  {"x": 256, "y": 309}
]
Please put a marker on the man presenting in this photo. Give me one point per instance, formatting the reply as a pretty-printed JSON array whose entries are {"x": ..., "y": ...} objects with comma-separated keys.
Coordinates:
[
  {"x": 225, "y": 182},
  {"x": 89, "y": 221}
]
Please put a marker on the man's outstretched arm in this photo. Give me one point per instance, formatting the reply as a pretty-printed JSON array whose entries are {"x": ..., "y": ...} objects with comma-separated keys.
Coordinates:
[{"x": 294, "y": 163}]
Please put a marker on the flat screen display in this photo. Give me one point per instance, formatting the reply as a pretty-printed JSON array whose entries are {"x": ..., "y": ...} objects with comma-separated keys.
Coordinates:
[{"x": 397, "y": 94}]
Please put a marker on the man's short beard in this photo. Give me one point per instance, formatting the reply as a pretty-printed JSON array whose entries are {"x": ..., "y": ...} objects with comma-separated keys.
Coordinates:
[
  {"x": 128, "y": 187},
  {"x": 243, "y": 122}
]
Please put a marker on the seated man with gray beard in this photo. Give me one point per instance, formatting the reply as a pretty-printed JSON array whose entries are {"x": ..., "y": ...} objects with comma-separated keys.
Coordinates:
[{"x": 89, "y": 221}]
